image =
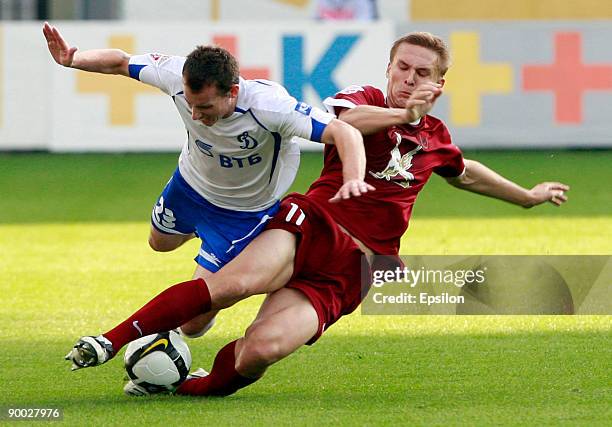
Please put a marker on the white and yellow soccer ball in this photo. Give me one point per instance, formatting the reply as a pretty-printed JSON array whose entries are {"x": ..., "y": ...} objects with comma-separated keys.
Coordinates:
[{"x": 158, "y": 362}]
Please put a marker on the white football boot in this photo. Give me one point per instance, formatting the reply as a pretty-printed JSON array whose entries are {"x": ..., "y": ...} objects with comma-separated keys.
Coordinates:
[{"x": 90, "y": 351}]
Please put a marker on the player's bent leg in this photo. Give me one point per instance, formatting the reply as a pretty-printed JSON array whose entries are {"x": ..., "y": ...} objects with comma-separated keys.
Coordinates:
[
  {"x": 249, "y": 274},
  {"x": 201, "y": 324},
  {"x": 274, "y": 335},
  {"x": 246, "y": 275},
  {"x": 264, "y": 266},
  {"x": 168, "y": 310},
  {"x": 277, "y": 332},
  {"x": 162, "y": 242}
]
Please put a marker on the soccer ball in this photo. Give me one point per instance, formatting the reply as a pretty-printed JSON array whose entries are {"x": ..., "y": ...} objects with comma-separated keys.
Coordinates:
[{"x": 158, "y": 362}]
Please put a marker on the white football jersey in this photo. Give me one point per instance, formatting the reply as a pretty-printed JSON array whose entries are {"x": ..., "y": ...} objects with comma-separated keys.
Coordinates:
[{"x": 245, "y": 162}]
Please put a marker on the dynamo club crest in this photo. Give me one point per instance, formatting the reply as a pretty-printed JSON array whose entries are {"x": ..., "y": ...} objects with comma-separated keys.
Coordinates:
[{"x": 247, "y": 142}]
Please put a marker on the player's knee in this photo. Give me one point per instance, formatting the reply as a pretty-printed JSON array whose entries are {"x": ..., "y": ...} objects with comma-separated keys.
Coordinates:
[
  {"x": 260, "y": 350},
  {"x": 155, "y": 244},
  {"x": 160, "y": 244},
  {"x": 257, "y": 355},
  {"x": 238, "y": 286}
]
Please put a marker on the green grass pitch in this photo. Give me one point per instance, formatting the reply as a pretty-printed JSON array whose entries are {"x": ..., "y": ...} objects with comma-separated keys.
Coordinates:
[{"x": 75, "y": 261}]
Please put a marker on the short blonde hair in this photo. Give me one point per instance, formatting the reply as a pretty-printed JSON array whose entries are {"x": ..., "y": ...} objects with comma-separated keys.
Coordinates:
[{"x": 428, "y": 41}]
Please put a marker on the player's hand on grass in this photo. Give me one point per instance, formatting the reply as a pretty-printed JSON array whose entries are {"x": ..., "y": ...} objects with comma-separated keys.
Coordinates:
[
  {"x": 61, "y": 52},
  {"x": 351, "y": 188},
  {"x": 421, "y": 101},
  {"x": 553, "y": 192}
]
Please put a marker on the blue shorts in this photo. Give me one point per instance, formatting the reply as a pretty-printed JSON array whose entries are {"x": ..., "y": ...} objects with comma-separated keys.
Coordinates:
[{"x": 224, "y": 233}]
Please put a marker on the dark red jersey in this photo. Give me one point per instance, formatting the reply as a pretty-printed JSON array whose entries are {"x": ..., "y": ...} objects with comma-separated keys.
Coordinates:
[{"x": 400, "y": 160}]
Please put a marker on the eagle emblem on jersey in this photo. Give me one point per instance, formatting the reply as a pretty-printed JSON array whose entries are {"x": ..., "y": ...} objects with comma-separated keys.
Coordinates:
[
  {"x": 398, "y": 165},
  {"x": 423, "y": 142}
]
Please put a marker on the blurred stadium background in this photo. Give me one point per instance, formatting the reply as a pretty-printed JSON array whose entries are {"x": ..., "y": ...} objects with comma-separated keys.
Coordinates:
[
  {"x": 83, "y": 158},
  {"x": 528, "y": 75},
  {"x": 536, "y": 74}
]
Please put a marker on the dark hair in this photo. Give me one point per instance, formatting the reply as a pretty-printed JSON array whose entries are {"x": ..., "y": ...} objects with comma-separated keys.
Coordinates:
[
  {"x": 208, "y": 65},
  {"x": 428, "y": 41}
]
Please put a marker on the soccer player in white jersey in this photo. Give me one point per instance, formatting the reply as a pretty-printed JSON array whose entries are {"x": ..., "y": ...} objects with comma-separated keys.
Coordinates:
[{"x": 239, "y": 157}]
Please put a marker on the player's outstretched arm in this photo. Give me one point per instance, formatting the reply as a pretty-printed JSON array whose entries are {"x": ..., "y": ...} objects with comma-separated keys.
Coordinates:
[
  {"x": 480, "y": 179},
  {"x": 369, "y": 119},
  {"x": 107, "y": 61},
  {"x": 349, "y": 143}
]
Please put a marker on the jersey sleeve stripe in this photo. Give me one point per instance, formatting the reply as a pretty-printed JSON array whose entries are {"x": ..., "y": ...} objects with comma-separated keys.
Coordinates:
[
  {"x": 317, "y": 130},
  {"x": 277, "y": 147},
  {"x": 134, "y": 70},
  {"x": 330, "y": 103},
  {"x": 174, "y": 98},
  {"x": 258, "y": 122}
]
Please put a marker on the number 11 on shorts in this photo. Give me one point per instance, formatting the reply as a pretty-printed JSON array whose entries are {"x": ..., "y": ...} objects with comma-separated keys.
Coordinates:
[{"x": 291, "y": 214}]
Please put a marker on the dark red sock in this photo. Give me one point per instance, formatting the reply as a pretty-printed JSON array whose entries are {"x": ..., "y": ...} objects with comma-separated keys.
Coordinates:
[
  {"x": 168, "y": 310},
  {"x": 223, "y": 379}
]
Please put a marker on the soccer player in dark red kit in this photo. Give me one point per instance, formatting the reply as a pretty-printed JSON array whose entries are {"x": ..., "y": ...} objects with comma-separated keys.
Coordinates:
[{"x": 308, "y": 260}]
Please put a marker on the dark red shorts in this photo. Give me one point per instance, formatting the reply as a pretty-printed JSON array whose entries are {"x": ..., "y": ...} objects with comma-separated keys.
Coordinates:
[{"x": 328, "y": 265}]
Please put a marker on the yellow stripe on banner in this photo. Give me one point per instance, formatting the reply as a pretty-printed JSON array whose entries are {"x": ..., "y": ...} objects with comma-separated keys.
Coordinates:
[
  {"x": 295, "y": 3},
  {"x": 470, "y": 78},
  {"x": 121, "y": 92},
  {"x": 440, "y": 10},
  {"x": 215, "y": 10},
  {"x": 1, "y": 75}
]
